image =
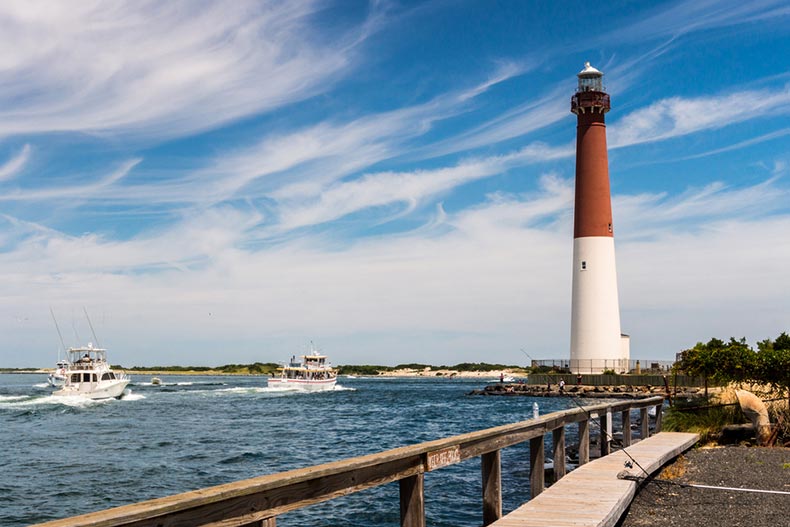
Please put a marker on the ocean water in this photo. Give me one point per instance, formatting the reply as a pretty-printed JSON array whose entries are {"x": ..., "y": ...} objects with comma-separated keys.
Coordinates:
[{"x": 61, "y": 456}]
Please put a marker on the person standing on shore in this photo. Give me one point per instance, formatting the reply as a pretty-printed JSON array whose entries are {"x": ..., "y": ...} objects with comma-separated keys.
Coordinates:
[{"x": 562, "y": 385}]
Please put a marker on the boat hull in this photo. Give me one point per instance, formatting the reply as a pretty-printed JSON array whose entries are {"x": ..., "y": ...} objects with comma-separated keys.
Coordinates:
[
  {"x": 102, "y": 390},
  {"x": 303, "y": 384}
]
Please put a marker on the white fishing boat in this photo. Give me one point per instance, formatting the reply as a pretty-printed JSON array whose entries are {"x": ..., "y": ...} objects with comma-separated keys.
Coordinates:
[
  {"x": 311, "y": 372},
  {"x": 89, "y": 375},
  {"x": 57, "y": 378}
]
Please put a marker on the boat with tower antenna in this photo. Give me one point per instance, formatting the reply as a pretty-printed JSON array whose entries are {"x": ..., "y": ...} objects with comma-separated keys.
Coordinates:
[{"x": 310, "y": 372}]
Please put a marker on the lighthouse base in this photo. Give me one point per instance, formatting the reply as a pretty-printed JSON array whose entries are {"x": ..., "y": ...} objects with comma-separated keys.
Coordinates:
[{"x": 596, "y": 342}]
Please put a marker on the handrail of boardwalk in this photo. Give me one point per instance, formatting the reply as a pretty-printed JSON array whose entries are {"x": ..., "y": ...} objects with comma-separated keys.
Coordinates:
[{"x": 258, "y": 501}]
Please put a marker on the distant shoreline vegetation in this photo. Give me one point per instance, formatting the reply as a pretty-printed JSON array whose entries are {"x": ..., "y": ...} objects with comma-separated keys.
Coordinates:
[{"x": 270, "y": 368}]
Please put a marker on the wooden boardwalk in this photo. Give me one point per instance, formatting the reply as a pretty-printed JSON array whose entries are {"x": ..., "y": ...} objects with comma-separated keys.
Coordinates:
[{"x": 593, "y": 495}]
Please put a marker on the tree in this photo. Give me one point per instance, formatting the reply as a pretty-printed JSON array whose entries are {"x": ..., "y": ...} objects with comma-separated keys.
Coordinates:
[
  {"x": 735, "y": 361},
  {"x": 773, "y": 363},
  {"x": 699, "y": 361}
]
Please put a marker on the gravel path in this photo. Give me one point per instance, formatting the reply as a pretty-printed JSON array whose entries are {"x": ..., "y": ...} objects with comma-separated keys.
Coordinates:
[{"x": 661, "y": 504}]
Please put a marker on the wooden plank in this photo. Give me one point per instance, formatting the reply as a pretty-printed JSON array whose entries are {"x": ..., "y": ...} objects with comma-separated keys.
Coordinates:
[
  {"x": 537, "y": 474},
  {"x": 491, "y": 467},
  {"x": 412, "y": 501},
  {"x": 593, "y": 495},
  {"x": 558, "y": 445},
  {"x": 442, "y": 458}
]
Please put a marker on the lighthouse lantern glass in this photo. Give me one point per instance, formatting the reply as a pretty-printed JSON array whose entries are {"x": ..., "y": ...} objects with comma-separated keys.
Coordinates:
[{"x": 590, "y": 83}]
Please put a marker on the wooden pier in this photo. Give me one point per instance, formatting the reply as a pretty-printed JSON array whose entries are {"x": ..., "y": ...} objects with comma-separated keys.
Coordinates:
[
  {"x": 596, "y": 495},
  {"x": 258, "y": 501}
]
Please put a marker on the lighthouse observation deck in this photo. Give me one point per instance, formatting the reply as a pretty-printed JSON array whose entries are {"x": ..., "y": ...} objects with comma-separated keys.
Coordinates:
[{"x": 590, "y": 102}]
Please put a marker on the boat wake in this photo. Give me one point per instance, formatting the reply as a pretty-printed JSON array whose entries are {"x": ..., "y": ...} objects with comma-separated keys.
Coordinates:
[
  {"x": 12, "y": 402},
  {"x": 129, "y": 396}
]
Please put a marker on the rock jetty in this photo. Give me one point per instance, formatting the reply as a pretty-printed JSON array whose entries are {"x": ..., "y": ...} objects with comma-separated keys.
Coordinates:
[{"x": 621, "y": 392}]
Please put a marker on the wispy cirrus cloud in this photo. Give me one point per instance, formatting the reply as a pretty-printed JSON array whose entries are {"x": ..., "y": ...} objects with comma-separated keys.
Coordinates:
[
  {"x": 408, "y": 188},
  {"x": 689, "y": 16},
  {"x": 12, "y": 167},
  {"x": 145, "y": 68},
  {"x": 678, "y": 116},
  {"x": 93, "y": 190}
]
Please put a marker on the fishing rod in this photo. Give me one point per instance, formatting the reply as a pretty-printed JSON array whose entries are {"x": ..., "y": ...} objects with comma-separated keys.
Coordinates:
[{"x": 611, "y": 438}]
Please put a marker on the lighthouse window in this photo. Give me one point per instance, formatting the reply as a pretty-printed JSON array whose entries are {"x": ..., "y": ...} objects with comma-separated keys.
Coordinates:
[
  {"x": 584, "y": 265},
  {"x": 610, "y": 227}
]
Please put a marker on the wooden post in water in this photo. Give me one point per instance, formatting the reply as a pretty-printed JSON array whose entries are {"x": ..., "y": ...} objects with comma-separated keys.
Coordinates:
[
  {"x": 558, "y": 443},
  {"x": 626, "y": 427},
  {"x": 659, "y": 412},
  {"x": 537, "y": 478},
  {"x": 491, "y": 466},
  {"x": 604, "y": 426},
  {"x": 412, "y": 501},
  {"x": 645, "y": 428},
  {"x": 266, "y": 522},
  {"x": 584, "y": 442}
]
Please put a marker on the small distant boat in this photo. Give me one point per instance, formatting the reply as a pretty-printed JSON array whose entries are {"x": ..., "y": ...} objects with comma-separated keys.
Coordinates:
[
  {"x": 89, "y": 375},
  {"x": 351, "y": 376},
  {"x": 311, "y": 372},
  {"x": 156, "y": 381},
  {"x": 57, "y": 378},
  {"x": 505, "y": 378}
]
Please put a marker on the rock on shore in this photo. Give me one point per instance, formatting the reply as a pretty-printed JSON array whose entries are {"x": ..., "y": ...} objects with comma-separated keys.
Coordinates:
[{"x": 622, "y": 391}]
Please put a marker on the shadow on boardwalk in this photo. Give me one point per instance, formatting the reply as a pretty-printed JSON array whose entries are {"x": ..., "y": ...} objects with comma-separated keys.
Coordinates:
[{"x": 661, "y": 504}]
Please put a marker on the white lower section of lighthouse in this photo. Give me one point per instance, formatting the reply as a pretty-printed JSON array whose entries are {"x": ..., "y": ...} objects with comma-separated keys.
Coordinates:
[{"x": 596, "y": 341}]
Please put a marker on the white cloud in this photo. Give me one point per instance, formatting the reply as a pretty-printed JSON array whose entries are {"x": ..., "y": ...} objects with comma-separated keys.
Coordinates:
[
  {"x": 698, "y": 15},
  {"x": 409, "y": 188},
  {"x": 11, "y": 168},
  {"x": 83, "y": 191},
  {"x": 159, "y": 69},
  {"x": 677, "y": 116},
  {"x": 491, "y": 280}
]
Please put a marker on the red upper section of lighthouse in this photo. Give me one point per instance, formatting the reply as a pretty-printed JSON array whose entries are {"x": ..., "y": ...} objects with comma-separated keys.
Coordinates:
[{"x": 593, "y": 207}]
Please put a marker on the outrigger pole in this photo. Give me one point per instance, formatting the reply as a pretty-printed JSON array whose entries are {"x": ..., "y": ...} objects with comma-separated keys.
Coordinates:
[
  {"x": 62, "y": 343},
  {"x": 91, "y": 326}
]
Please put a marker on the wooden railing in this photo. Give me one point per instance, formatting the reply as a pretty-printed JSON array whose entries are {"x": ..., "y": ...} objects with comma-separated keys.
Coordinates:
[{"x": 258, "y": 501}]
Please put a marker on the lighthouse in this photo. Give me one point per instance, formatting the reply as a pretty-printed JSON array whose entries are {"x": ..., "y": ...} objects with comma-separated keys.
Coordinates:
[{"x": 596, "y": 341}]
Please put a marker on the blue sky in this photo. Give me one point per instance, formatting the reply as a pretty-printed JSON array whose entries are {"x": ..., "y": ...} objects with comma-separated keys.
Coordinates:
[{"x": 222, "y": 182}]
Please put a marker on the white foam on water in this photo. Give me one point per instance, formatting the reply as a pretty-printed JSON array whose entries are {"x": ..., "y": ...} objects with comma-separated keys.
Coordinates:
[
  {"x": 129, "y": 396},
  {"x": 12, "y": 398},
  {"x": 42, "y": 385}
]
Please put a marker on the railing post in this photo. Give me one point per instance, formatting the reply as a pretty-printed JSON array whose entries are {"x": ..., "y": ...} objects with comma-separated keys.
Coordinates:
[
  {"x": 645, "y": 428},
  {"x": 536, "y": 470},
  {"x": 626, "y": 427},
  {"x": 558, "y": 442},
  {"x": 605, "y": 419},
  {"x": 659, "y": 412},
  {"x": 412, "y": 501},
  {"x": 584, "y": 442},
  {"x": 492, "y": 486}
]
